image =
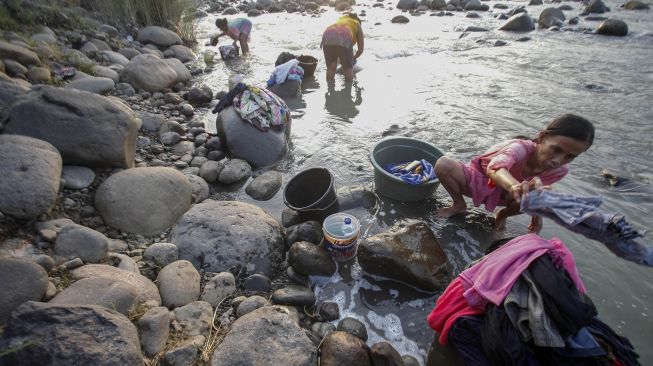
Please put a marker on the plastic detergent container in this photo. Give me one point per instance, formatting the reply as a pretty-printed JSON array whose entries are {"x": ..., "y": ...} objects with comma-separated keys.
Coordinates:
[{"x": 341, "y": 232}]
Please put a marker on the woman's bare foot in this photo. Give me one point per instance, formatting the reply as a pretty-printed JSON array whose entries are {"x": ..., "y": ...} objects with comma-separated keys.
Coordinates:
[
  {"x": 500, "y": 220},
  {"x": 451, "y": 210}
]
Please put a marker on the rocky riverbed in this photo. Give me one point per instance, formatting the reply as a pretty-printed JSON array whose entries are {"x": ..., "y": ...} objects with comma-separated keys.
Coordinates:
[{"x": 115, "y": 243}]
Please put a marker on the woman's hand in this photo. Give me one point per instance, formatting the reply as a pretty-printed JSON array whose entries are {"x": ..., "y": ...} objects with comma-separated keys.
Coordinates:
[{"x": 536, "y": 224}]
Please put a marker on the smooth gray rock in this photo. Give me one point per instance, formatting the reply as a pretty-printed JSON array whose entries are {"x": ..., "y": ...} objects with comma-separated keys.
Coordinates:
[
  {"x": 66, "y": 328},
  {"x": 183, "y": 74},
  {"x": 250, "y": 304},
  {"x": 252, "y": 341},
  {"x": 112, "y": 294},
  {"x": 354, "y": 327},
  {"x": 144, "y": 201},
  {"x": 161, "y": 254},
  {"x": 635, "y": 5},
  {"x": 172, "y": 126},
  {"x": 596, "y": 6},
  {"x": 218, "y": 288},
  {"x": 149, "y": 73},
  {"x": 264, "y": 186},
  {"x": 406, "y": 4},
  {"x": 473, "y": 5},
  {"x": 179, "y": 284},
  {"x": 77, "y": 177},
  {"x": 294, "y": 295},
  {"x": 10, "y": 92},
  {"x": 198, "y": 161},
  {"x": 170, "y": 138},
  {"x": 144, "y": 287},
  {"x": 129, "y": 52},
  {"x": 613, "y": 27},
  {"x": 81, "y": 242},
  {"x": 154, "y": 330},
  {"x": 13, "y": 68},
  {"x": 151, "y": 122},
  {"x": 234, "y": 170},
  {"x": 210, "y": 170},
  {"x": 399, "y": 19},
  {"x": 194, "y": 318},
  {"x": 18, "y": 53},
  {"x": 311, "y": 260},
  {"x": 521, "y": 22},
  {"x": 257, "y": 283},
  {"x": 341, "y": 348},
  {"x": 200, "y": 188},
  {"x": 159, "y": 36},
  {"x": 86, "y": 128},
  {"x": 90, "y": 49},
  {"x": 218, "y": 235},
  {"x": 288, "y": 89},
  {"x": 408, "y": 252},
  {"x": 329, "y": 311},
  {"x": 184, "y": 147},
  {"x": 180, "y": 52},
  {"x": 124, "y": 262},
  {"x": 200, "y": 96},
  {"x": 102, "y": 71},
  {"x": 112, "y": 57},
  {"x": 550, "y": 17},
  {"x": 22, "y": 280},
  {"x": 246, "y": 142},
  {"x": 30, "y": 173}
]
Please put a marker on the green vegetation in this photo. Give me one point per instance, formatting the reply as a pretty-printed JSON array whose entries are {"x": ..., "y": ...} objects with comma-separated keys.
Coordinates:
[
  {"x": 177, "y": 15},
  {"x": 27, "y": 15}
]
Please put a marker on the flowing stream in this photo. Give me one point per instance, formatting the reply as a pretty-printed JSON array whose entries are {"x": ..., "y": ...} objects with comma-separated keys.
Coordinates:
[{"x": 424, "y": 80}]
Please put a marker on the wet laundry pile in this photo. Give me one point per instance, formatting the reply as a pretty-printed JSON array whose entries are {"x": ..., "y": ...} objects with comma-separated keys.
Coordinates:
[
  {"x": 258, "y": 106},
  {"x": 414, "y": 172},
  {"x": 289, "y": 70},
  {"x": 524, "y": 304},
  {"x": 582, "y": 215}
]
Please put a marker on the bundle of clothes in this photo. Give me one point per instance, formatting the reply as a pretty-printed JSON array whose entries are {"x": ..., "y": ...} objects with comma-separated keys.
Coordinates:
[
  {"x": 414, "y": 172},
  {"x": 258, "y": 106},
  {"x": 525, "y": 304},
  {"x": 289, "y": 70}
]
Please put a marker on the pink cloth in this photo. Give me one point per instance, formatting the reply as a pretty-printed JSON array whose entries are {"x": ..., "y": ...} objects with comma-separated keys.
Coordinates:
[
  {"x": 512, "y": 155},
  {"x": 492, "y": 278},
  {"x": 450, "y": 306}
]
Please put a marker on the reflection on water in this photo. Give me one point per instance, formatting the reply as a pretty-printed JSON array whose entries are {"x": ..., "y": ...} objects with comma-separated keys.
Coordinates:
[
  {"x": 463, "y": 95},
  {"x": 341, "y": 103}
]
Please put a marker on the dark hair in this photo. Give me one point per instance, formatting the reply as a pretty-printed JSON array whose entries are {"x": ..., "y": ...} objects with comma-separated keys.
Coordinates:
[
  {"x": 354, "y": 16},
  {"x": 221, "y": 23},
  {"x": 571, "y": 125}
]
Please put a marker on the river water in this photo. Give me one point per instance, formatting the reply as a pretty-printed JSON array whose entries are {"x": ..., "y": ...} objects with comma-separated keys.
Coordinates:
[{"x": 424, "y": 80}]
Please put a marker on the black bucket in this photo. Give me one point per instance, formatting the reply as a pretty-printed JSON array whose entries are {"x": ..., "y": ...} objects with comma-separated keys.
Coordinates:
[{"x": 312, "y": 193}]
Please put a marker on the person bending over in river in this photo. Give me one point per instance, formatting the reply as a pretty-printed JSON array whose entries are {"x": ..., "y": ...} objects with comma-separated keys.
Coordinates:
[
  {"x": 507, "y": 170},
  {"x": 338, "y": 42},
  {"x": 238, "y": 29}
]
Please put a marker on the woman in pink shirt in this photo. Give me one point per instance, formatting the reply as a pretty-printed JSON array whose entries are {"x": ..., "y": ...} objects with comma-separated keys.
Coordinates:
[{"x": 507, "y": 170}]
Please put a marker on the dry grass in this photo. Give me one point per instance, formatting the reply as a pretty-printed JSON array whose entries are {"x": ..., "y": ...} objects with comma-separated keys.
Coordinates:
[{"x": 216, "y": 335}]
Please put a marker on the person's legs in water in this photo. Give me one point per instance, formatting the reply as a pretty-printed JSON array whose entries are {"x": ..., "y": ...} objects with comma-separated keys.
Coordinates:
[
  {"x": 331, "y": 60},
  {"x": 347, "y": 62},
  {"x": 244, "y": 46},
  {"x": 452, "y": 176}
]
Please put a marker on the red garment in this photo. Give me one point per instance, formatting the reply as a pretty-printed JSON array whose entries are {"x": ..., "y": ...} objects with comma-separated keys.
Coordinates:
[{"x": 450, "y": 306}]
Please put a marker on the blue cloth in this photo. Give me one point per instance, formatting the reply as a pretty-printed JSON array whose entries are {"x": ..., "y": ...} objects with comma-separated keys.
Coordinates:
[
  {"x": 414, "y": 172},
  {"x": 582, "y": 215}
]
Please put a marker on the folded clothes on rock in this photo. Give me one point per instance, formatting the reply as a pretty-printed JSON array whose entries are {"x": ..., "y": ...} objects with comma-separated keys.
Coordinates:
[
  {"x": 258, "y": 106},
  {"x": 415, "y": 172},
  {"x": 289, "y": 70}
]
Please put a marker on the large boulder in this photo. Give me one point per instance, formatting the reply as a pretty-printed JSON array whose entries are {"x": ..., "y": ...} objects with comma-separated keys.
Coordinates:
[
  {"x": 246, "y": 142},
  {"x": 635, "y": 5},
  {"x": 180, "y": 52},
  {"x": 613, "y": 27},
  {"x": 159, "y": 36},
  {"x": 144, "y": 201},
  {"x": 550, "y": 17},
  {"x": 18, "y": 53},
  {"x": 30, "y": 174},
  {"x": 22, "y": 280},
  {"x": 596, "y": 6},
  {"x": 149, "y": 73},
  {"x": 266, "y": 336},
  {"x": 51, "y": 334},
  {"x": 521, "y": 22},
  {"x": 219, "y": 235},
  {"x": 407, "y": 4},
  {"x": 183, "y": 74},
  {"x": 146, "y": 290},
  {"x": 409, "y": 253},
  {"x": 86, "y": 128},
  {"x": 108, "y": 292}
]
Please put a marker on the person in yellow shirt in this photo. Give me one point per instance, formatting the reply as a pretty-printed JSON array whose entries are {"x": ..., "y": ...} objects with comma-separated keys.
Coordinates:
[{"x": 338, "y": 42}]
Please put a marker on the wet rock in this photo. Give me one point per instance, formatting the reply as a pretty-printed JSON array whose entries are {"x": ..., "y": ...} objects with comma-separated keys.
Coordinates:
[
  {"x": 476, "y": 29},
  {"x": 149, "y": 73},
  {"x": 161, "y": 254},
  {"x": 66, "y": 329},
  {"x": 87, "y": 129},
  {"x": 112, "y": 294},
  {"x": 521, "y": 22},
  {"x": 81, "y": 242},
  {"x": 30, "y": 172},
  {"x": 252, "y": 339},
  {"x": 550, "y": 17},
  {"x": 22, "y": 280},
  {"x": 443, "y": 355},
  {"x": 200, "y": 96},
  {"x": 179, "y": 284},
  {"x": 194, "y": 318},
  {"x": 234, "y": 170},
  {"x": 288, "y": 89},
  {"x": 311, "y": 260},
  {"x": 218, "y": 288},
  {"x": 257, "y": 283},
  {"x": 264, "y": 186},
  {"x": 217, "y": 235},
  {"x": 341, "y": 348},
  {"x": 353, "y": 327},
  {"x": 153, "y": 329},
  {"x": 613, "y": 27},
  {"x": 635, "y": 5},
  {"x": 294, "y": 295},
  {"x": 296, "y": 277},
  {"x": 310, "y": 231},
  {"x": 159, "y": 36},
  {"x": 535, "y": 2},
  {"x": 399, "y": 19},
  {"x": 144, "y": 287},
  {"x": 250, "y": 304},
  {"x": 290, "y": 217},
  {"x": 383, "y": 354},
  {"x": 329, "y": 311},
  {"x": 406, "y": 4},
  {"x": 409, "y": 253},
  {"x": 18, "y": 53},
  {"x": 200, "y": 188},
  {"x": 246, "y": 142},
  {"x": 143, "y": 201},
  {"x": 596, "y": 6}
]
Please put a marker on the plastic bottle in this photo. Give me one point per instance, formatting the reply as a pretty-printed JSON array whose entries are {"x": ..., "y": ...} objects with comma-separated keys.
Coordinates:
[{"x": 347, "y": 227}]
